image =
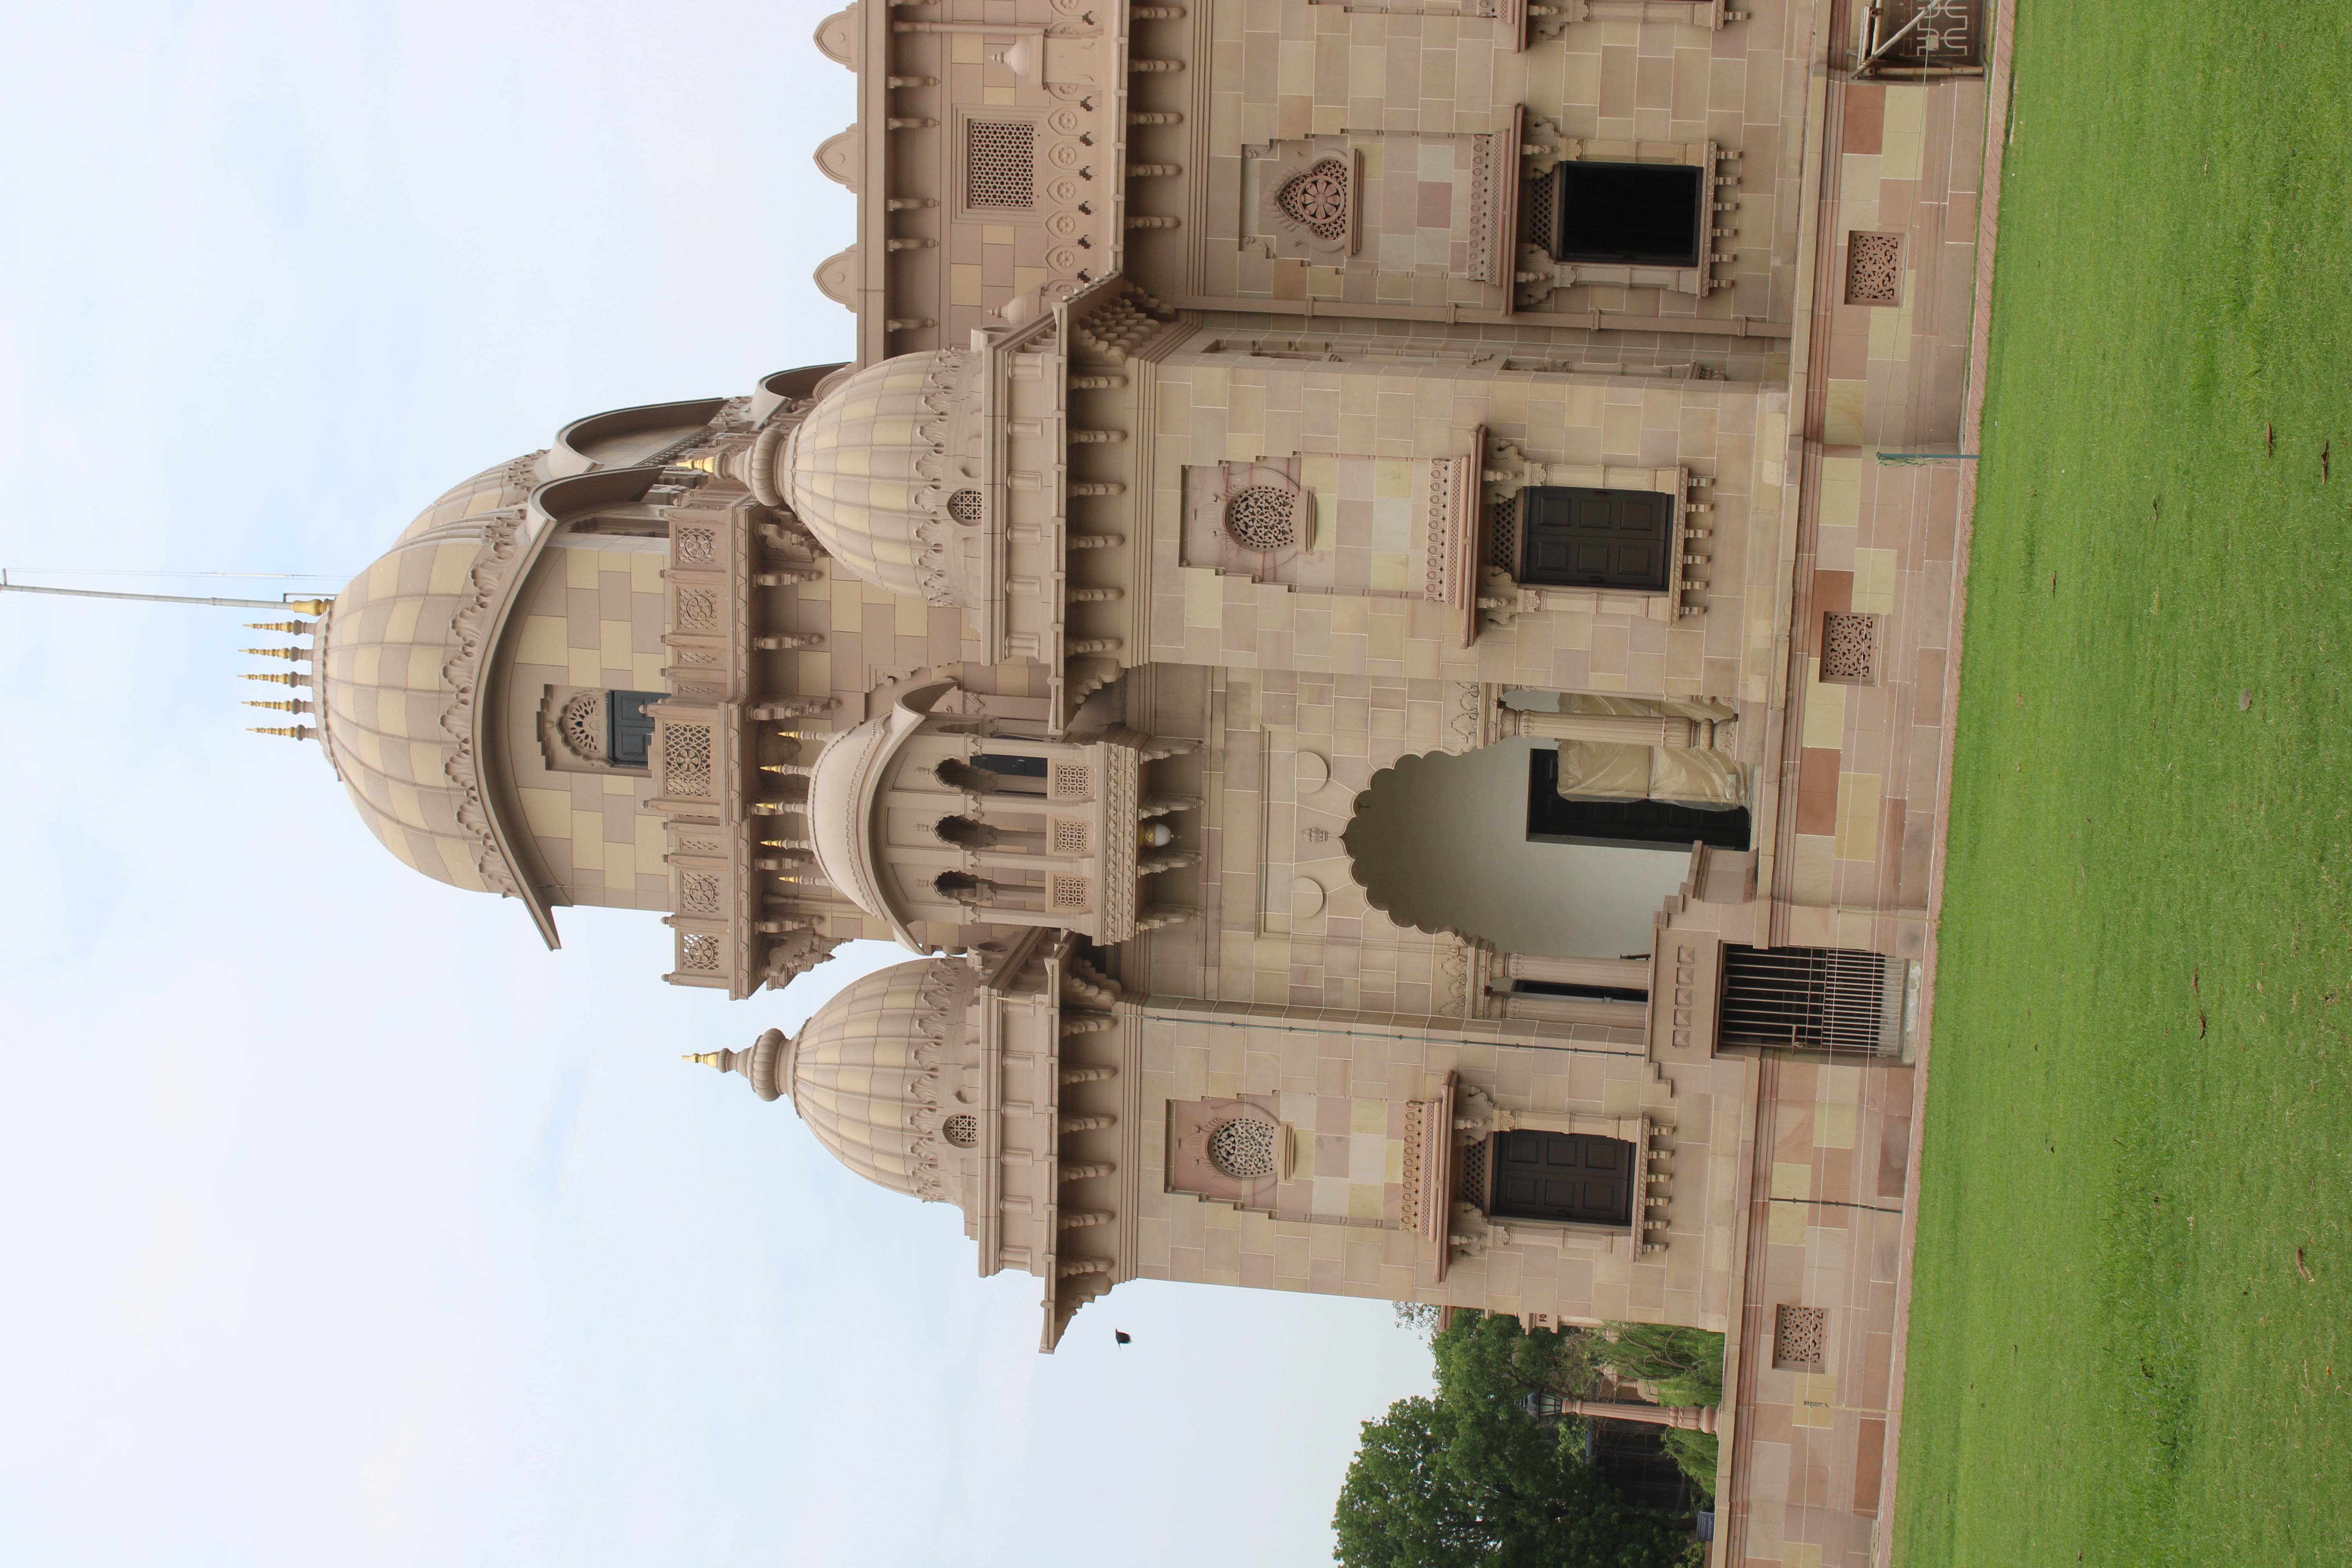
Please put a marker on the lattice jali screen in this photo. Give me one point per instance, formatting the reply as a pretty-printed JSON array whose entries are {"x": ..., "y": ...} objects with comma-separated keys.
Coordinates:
[
  {"x": 697, "y": 953},
  {"x": 1318, "y": 200},
  {"x": 583, "y": 725},
  {"x": 686, "y": 760},
  {"x": 1799, "y": 1334},
  {"x": 1065, "y": 892},
  {"x": 1244, "y": 1148},
  {"x": 694, "y": 546},
  {"x": 963, "y": 1132},
  {"x": 698, "y": 609},
  {"x": 1503, "y": 536},
  {"x": 1000, "y": 167},
  {"x": 697, "y": 892},
  {"x": 1070, "y": 781},
  {"x": 1873, "y": 269},
  {"x": 1066, "y": 835},
  {"x": 964, "y": 506},
  {"x": 1263, "y": 517},
  {"x": 1473, "y": 1174},
  {"x": 1850, "y": 649}
]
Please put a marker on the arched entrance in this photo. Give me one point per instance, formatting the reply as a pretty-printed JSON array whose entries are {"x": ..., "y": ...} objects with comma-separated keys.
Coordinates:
[{"x": 1440, "y": 842}]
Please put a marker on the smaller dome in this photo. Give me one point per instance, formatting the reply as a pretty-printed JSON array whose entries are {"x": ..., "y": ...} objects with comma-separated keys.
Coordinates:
[
  {"x": 873, "y": 468},
  {"x": 874, "y": 1072}
]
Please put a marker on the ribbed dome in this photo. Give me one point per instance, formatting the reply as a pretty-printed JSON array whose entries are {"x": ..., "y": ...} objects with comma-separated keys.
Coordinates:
[
  {"x": 872, "y": 468},
  {"x": 871, "y": 1070},
  {"x": 385, "y": 686}
]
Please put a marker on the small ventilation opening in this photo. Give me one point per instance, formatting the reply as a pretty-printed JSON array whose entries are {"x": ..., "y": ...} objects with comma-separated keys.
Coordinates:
[
  {"x": 1000, "y": 164},
  {"x": 1800, "y": 1335},
  {"x": 1873, "y": 269}
]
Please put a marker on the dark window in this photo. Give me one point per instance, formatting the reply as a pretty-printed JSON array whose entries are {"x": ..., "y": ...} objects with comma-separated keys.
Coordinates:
[
  {"x": 1015, "y": 775},
  {"x": 1633, "y": 823},
  {"x": 1810, "y": 998},
  {"x": 1570, "y": 988},
  {"x": 628, "y": 728},
  {"x": 1639, "y": 215},
  {"x": 1572, "y": 1176},
  {"x": 1595, "y": 539}
]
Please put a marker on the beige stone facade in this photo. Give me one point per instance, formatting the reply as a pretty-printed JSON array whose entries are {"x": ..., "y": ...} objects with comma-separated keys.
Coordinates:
[{"x": 1375, "y": 604}]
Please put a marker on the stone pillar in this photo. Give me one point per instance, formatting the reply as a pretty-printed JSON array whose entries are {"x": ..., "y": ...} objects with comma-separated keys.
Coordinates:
[{"x": 1691, "y": 1418}]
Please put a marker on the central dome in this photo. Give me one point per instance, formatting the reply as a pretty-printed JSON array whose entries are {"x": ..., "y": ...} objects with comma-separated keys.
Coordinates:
[
  {"x": 890, "y": 468},
  {"x": 397, "y": 643}
]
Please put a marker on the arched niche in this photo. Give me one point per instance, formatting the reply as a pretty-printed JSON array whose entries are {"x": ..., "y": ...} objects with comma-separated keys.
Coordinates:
[{"x": 1439, "y": 843}]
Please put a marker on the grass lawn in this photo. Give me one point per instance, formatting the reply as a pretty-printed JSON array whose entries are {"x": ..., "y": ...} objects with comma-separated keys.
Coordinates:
[{"x": 2141, "y": 1110}]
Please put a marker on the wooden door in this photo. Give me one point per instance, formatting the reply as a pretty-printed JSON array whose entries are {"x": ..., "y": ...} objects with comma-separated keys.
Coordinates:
[
  {"x": 1571, "y": 1176},
  {"x": 1595, "y": 539},
  {"x": 628, "y": 728}
]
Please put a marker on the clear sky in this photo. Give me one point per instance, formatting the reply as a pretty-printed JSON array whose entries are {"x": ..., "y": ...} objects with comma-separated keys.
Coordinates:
[{"x": 340, "y": 1223}]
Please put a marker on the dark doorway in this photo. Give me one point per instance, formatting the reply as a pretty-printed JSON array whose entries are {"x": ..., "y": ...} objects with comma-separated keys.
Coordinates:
[
  {"x": 1571, "y": 1176},
  {"x": 1641, "y": 215},
  {"x": 1626, "y": 823},
  {"x": 628, "y": 728},
  {"x": 1634, "y": 1461},
  {"x": 1015, "y": 775},
  {"x": 1595, "y": 539}
]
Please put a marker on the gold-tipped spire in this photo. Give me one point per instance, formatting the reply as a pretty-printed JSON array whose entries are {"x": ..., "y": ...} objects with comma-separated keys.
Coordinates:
[
  {"x": 291, "y": 734},
  {"x": 296, "y": 628},
  {"x": 309, "y": 607},
  {"x": 708, "y": 1059},
  {"x": 707, "y": 463},
  {"x": 276, "y": 678},
  {"x": 299, "y": 655},
  {"x": 296, "y": 706}
]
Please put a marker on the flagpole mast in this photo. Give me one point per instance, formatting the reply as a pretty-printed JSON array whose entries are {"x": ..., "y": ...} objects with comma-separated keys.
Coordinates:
[{"x": 278, "y": 604}]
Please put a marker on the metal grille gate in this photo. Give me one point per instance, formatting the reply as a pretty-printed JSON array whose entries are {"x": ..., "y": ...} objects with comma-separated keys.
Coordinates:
[{"x": 1811, "y": 999}]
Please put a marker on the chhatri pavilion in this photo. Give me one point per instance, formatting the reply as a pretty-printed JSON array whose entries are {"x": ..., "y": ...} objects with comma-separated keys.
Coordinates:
[{"x": 1371, "y": 612}]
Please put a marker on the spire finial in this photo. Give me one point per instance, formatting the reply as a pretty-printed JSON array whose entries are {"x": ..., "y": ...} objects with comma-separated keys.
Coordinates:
[
  {"x": 296, "y": 628},
  {"x": 275, "y": 678},
  {"x": 708, "y": 1058},
  {"x": 292, "y": 734},
  {"x": 309, "y": 607},
  {"x": 299, "y": 655}
]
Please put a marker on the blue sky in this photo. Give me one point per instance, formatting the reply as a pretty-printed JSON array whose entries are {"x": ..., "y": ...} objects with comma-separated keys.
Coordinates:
[{"x": 341, "y": 1222}]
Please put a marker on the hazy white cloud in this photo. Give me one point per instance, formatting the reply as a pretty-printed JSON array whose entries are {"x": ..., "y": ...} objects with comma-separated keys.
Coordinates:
[{"x": 344, "y": 1224}]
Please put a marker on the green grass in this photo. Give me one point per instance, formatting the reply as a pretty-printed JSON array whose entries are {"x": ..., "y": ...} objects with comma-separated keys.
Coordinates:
[{"x": 2141, "y": 1106}]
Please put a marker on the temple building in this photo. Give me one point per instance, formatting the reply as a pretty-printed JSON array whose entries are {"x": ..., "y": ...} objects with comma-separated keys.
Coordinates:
[{"x": 1373, "y": 611}]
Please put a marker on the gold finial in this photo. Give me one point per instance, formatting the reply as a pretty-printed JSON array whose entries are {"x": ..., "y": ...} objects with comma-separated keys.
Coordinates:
[
  {"x": 298, "y": 628},
  {"x": 790, "y": 735},
  {"x": 707, "y": 463},
  {"x": 282, "y": 706},
  {"x": 708, "y": 1059},
  {"x": 294, "y": 734},
  {"x": 276, "y": 678},
  {"x": 309, "y": 607},
  {"x": 299, "y": 655}
]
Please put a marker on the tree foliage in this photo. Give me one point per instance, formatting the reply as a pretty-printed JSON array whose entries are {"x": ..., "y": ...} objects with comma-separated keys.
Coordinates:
[
  {"x": 1472, "y": 1477},
  {"x": 1685, "y": 1366}
]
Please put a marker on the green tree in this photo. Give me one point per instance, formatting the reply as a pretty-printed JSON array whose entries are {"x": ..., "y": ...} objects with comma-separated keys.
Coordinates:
[
  {"x": 1686, "y": 1367},
  {"x": 1472, "y": 1477}
]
